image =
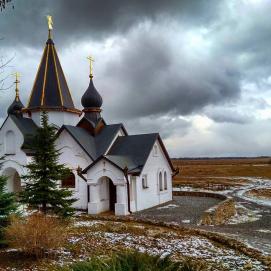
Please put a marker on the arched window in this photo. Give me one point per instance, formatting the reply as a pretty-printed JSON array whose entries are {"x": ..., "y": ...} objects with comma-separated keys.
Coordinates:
[
  {"x": 165, "y": 180},
  {"x": 160, "y": 182},
  {"x": 144, "y": 182},
  {"x": 69, "y": 182},
  {"x": 10, "y": 142}
]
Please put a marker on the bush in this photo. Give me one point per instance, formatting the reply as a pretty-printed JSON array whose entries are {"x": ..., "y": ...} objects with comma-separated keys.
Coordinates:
[
  {"x": 134, "y": 261},
  {"x": 36, "y": 235}
]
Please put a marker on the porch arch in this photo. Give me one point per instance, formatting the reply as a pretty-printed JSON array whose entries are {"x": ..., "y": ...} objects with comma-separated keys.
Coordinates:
[
  {"x": 108, "y": 194},
  {"x": 107, "y": 174}
]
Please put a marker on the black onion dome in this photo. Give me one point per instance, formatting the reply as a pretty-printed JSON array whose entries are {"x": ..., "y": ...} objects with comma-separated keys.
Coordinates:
[
  {"x": 16, "y": 107},
  {"x": 91, "y": 97}
]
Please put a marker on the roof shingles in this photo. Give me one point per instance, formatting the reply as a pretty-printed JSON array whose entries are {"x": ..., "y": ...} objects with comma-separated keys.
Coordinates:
[{"x": 94, "y": 146}]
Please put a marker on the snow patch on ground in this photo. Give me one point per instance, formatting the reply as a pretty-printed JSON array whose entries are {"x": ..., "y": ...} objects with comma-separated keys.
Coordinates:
[
  {"x": 244, "y": 215},
  {"x": 87, "y": 223},
  {"x": 264, "y": 231},
  {"x": 169, "y": 206},
  {"x": 253, "y": 183},
  {"x": 192, "y": 246}
]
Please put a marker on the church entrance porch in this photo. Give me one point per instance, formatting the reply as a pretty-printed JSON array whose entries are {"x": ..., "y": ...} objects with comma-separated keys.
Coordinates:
[
  {"x": 105, "y": 195},
  {"x": 13, "y": 180}
]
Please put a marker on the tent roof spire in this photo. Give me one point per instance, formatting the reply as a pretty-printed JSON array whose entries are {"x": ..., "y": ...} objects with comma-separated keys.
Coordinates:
[{"x": 50, "y": 90}]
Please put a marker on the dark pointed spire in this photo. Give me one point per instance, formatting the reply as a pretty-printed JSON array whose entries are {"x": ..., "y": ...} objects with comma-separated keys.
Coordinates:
[
  {"x": 50, "y": 90},
  {"x": 16, "y": 107}
]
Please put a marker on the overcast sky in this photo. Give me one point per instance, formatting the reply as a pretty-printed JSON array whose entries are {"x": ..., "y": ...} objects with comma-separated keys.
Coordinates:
[{"x": 196, "y": 71}]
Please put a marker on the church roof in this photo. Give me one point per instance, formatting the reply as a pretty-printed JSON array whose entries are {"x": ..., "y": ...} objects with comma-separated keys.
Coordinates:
[
  {"x": 132, "y": 152},
  {"x": 97, "y": 145},
  {"x": 16, "y": 107},
  {"x": 50, "y": 89},
  {"x": 28, "y": 128},
  {"x": 136, "y": 147}
]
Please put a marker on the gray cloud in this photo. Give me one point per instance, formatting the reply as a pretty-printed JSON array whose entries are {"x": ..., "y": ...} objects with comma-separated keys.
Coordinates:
[
  {"x": 166, "y": 126},
  {"x": 157, "y": 60},
  {"x": 85, "y": 19},
  {"x": 156, "y": 79},
  {"x": 225, "y": 115}
]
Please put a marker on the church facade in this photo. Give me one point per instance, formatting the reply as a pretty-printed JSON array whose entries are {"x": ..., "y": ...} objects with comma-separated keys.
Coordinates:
[{"x": 111, "y": 170}]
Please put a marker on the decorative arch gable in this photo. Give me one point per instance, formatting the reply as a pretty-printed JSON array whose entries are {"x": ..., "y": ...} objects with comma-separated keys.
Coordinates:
[{"x": 104, "y": 168}]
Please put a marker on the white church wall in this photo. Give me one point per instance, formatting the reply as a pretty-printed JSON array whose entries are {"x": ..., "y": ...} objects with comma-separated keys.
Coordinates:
[
  {"x": 57, "y": 118},
  {"x": 133, "y": 193},
  {"x": 73, "y": 156},
  {"x": 151, "y": 195},
  {"x": 17, "y": 154},
  {"x": 16, "y": 159},
  {"x": 103, "y": 185}
]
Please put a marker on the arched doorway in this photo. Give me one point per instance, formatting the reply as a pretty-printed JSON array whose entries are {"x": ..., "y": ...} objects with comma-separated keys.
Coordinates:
[
  {"x": 107, "y": 194},
  {"x": 13, "y": 180},
  {"x": 112, "y": 195}
]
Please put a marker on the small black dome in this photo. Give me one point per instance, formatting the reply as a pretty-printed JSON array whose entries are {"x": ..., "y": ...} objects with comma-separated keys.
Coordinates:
[
  {"x": 91, "y": 97},
  {"x": 16, "y": 107}
]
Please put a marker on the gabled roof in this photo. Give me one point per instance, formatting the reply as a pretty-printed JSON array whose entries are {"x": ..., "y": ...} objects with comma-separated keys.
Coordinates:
[
  {"x": 50, "y": 90},
  {"x": 132, "y": 152},
  {"x": 97, "y": 145},
  {"x": 28, "y": 128},
  {"x": 134, "y": 148}
]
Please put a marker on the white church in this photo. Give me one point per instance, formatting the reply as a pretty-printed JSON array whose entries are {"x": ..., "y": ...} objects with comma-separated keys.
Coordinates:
[{"x": 112, "y": 170}]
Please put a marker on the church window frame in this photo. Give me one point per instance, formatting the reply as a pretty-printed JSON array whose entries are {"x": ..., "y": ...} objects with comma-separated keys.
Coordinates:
[
  {"x": 10, "y": 143},
  {"x": 155, "y": 150},
  {"x": 165, "y": 181},
  {"x": 69, "y": 182},
  {"x": 160, "y": 181},
  {"x": 145, "y": 181}
]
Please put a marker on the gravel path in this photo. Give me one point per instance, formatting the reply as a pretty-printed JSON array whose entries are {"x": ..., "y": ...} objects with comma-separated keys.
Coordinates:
[{"x": 183, "y": 209}]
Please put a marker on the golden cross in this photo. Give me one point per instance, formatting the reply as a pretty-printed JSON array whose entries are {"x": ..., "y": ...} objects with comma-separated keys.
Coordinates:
[
  {"x": 50, "y": 24},
  {"x": 91, "y": 60},
  {"x": 17, "y": 81}
]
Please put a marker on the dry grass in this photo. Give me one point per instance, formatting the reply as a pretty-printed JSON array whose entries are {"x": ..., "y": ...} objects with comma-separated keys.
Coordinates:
[
  {"x": 36, "y": 235},
  {"x": 219, "y": 173},
  {"x": 264, "y": 193}
]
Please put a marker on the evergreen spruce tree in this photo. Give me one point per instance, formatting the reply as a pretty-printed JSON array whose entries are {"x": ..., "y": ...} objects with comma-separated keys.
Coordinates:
[
  {"x": 42, "y": 191},
  {"x": 8, "y": 204}
]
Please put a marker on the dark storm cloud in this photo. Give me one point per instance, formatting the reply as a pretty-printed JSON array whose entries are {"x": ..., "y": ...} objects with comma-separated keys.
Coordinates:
[
  {"x": 157, "y": 80},
  {"x": 85, "y": 19},
  {"x": 156, "y": 60}
]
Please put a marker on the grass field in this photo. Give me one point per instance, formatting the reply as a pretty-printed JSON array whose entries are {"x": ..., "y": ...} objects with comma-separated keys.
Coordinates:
[{"x": 220, "y": 173}]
